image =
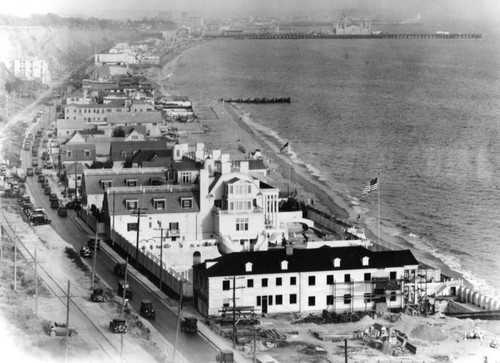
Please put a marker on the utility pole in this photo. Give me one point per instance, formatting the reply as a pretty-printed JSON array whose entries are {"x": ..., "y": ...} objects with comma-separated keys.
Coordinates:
[
  {"x": 113, "y": 229},
  {"x": 15, "y": 260},
  {"x": 234, "y": 306},
  {"x": 36, "y": 287},
  {"x": 178, "y": 321},
  {"x": 95, "y": 254},
  {"x": 161, "y": 253},
  {"x": 125, "y": 287},
  {"x": 139, "y": 212},
  {"x": 67, "y": 323}
]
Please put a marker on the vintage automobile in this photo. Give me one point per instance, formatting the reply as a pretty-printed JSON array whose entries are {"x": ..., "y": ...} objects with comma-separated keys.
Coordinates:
[
  {"x": 122, "y": 287},
  {"x": 118, "y": 325},
  {"x": 147, "y": 310},
  {"x": 85, "y": 252},
  {"x": 189, "y": 325},
  {"x": 57, "y": 329},
  {"x": 98, "y": 295}
]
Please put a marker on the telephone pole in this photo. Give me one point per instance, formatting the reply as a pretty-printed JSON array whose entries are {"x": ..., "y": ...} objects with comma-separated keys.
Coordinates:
[
  {"x": 161, "y": 251},
  {"x": 139, "y": 212},
  {"x": 234, "y": 306}
]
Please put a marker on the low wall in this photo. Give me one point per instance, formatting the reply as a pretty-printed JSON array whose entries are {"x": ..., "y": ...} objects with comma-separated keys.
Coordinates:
[{"x": 474, "y": 297}]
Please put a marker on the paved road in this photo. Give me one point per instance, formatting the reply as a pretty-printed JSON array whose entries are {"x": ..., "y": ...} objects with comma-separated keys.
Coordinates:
[{"x": 194, "y": 348}]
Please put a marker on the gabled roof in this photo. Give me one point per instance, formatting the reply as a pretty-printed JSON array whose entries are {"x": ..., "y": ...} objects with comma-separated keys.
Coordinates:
[
  {"x": 256, "y": 164},
  {"x": 129, "y": 147},
  {"x": 137, "y": 117},
  {"x": 70, "y": 168},
  {"x": 145, "y": 196},
  {"x": 306, "y": 260},
  {"x": 148, "y": 155}
]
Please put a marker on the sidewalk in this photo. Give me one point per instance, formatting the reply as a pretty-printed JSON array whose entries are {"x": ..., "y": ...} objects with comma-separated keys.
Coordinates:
[{"x": 215, "y": 339}]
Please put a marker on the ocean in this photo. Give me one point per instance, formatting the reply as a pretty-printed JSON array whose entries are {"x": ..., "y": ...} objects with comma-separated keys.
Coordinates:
[{"x": 424, "y": 115}]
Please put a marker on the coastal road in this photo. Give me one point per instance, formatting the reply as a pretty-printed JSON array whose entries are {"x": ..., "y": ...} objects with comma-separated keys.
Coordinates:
[{"x": 194, "y": 348}]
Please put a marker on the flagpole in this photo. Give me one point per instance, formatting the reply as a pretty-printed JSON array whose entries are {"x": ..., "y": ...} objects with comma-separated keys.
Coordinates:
[{"x": 378, "y": 192}]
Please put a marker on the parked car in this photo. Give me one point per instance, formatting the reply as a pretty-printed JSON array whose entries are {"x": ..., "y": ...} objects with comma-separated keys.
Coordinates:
[
  {"x": 147, "y": 310},
  {"x": 91, "y": 243},
  {"x": 57, "y": 329},
  {"x": 38, "y": 171},
  {"x": 85, "y": 252},
  {"x": 41, "y": 178},
  {"x": 97, "y": 295},
  {"x": 118, "y": 325},
  {"x": 29, "y": 172},
  {"x": 47, "y": 190},
  {"x": 76, "y": 205},
  {"x": 34, "y": 162}
]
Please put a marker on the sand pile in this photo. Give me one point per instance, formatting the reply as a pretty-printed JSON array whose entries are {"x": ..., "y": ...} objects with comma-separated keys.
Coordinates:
[{"x": 429, "y": 333}]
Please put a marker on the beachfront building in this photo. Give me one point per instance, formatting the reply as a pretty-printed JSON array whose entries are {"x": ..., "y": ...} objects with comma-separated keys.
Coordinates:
[
  {"x": 122, "y": 152},
  {"x": 340, "y": 279},
  {"x": 30, "y": 69}
]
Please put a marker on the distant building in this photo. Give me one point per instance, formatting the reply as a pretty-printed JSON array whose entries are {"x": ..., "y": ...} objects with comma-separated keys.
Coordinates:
[{"x": 30, "y": 69}]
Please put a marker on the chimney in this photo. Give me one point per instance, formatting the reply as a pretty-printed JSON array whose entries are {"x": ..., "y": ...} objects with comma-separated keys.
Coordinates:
[
  {"x": 244, "y": 166},
  {"x": 289, "y": 250},
  {"x": 225, "y": 167},
  {"x": 216, "y": 154}
]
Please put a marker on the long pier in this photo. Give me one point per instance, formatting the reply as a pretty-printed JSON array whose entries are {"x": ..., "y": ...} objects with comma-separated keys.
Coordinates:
[{"x": 347, "y": 36}]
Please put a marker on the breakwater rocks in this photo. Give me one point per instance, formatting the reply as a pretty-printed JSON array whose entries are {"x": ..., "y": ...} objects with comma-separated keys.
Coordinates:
[{"x": 257, "y": 100}]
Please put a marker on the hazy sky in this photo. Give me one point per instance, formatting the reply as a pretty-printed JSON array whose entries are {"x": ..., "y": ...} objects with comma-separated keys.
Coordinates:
[{"x": 459, "y": 9}]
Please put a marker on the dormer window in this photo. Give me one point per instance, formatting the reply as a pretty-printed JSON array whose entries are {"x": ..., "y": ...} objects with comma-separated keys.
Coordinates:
[
  {"x": 336, "y": 262},
  {"x": 131, "y": 182},
  {"x": 365, "y": 260},
  {"x": 248, "y": 267},
  {"x": 123, "y": 154},
  {"x": 131, "y": 204},
  {"x": 284, "y": 265},
  {"x": 186, "y": 203},
  {"x": 159, "y": 204},
  {"x": 106, "y": 184}
]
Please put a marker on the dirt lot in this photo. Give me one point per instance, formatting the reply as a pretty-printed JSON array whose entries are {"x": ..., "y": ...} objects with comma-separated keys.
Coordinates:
[{"x": 22, "y": 334}]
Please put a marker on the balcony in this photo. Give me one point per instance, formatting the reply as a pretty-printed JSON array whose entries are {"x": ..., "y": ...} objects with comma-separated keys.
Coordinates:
[{"x": 255, "y": 210}]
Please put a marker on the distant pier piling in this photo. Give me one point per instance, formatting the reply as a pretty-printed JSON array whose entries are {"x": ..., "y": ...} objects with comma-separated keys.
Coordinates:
[
  {"x": 348, "y": 36},
  {"x": 257, "y": 100}
]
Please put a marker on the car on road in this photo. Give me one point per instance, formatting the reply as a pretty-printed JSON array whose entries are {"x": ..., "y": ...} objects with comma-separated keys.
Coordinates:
[
  {"x": 47, "y": 190},
  {"x": 118, "y": 325},
  {"x": 41, "y": 178},
  {"x": 98, "y": 295},
  {"x": 76, "y": 205},
  {"x": 120, "y": 268},
  {"x": 62, "y": 211},
  {"x": 29, "y": 172},
  {"x": 38, "y": 171},
  {"x": 57, "y": 329},
  {"x": 34, "y": 162},
  {"x": 91, "y": 243},
  {"x": 124, "y": 290},
  {"x": 53, "y": 196},
  {"x": 189, "y": 325},
  {"x": 147, "y": 310},
  {"x": 85, "y": 252},
  {"x": 45, "y": 183}
]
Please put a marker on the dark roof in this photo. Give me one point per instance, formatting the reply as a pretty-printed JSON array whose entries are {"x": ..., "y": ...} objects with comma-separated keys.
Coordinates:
[
  {"x": 148, "y": 155},
  {"x": 146, "y": 196},
  {"x": 117, "y": 147},
  {"x": 118, "y": 177},
  {"x": 91, "y": 132},
  {"x": 306, "y": 260},
  {"x": 187, "y": 164},
  {"x": 256, "y": 164}
]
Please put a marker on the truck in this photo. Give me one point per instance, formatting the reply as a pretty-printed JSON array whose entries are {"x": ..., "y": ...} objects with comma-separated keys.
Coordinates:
[
  {"x": 189, "y": 325},
  {"x": 122, "y": 287}
]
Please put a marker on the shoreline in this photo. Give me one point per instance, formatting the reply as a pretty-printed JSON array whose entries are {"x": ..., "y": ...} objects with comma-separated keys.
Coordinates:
[{"x": 233, "y": 126}]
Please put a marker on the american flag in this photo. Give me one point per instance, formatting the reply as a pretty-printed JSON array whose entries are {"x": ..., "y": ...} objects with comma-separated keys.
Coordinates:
[{"x": 373, "y": 185}]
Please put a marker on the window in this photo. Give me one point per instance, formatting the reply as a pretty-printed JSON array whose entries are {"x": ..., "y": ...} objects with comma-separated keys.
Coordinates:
[
  {"x": 131, "y": 226},
  {"x": 241, "y": 205},
  {"x": 312, "y": 280},
  {"x": 68, "y": 153},
  {"x": 186, "y": 203},
  {"x": 293, "y": 298},
  {"x": 242, "y": 224},
  {"x": 258, "y": 301},
  {"x": 131, "y": 182},
  {"x": 279, "y": 299},
  {"x": 106, "y": 184},
  {"x": 293, "y": 280},
  {"x": 347, "y": 299},
  {"x": 225, "y": 303},
  {"x": 368, "y": 276},
  {"x": 368, "y": 297},
  {"x": 329, "y": 279},
  {"x": 347, "y": 278},
  {"x": 279, "y": 281},
  {"x": 264, "y": 282},
  {"x": 270, "y": 299},
  {"x": 86, "y": 153},
  {"x": 185, "y": 177},
  {"x": 131, "y": 204},
  {"x": 217, "y": 203},
  {"x": 392, "y": 275},
  {"x": 393, "y": 296},
  {"x": 226, "y": 285},
  {"x": 311, "y": 301},
  {"x": 250, "y": 283},
  {"x": 159, "y": 203},
  {"x": 173, "y": 226},
  {"x": 329, "y": 299}
]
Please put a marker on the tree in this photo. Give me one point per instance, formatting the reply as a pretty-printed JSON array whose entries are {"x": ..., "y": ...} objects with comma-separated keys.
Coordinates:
[{"x": 118, "y": 132}]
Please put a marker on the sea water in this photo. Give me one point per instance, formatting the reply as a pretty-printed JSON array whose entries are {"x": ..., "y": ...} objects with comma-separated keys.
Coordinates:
[{"x": 425, "y": 114}]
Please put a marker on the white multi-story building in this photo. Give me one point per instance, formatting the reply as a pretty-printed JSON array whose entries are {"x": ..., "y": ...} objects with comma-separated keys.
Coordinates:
[
  {"x": 287, "y": 280},
  {"x": 31, "y": 69}
]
